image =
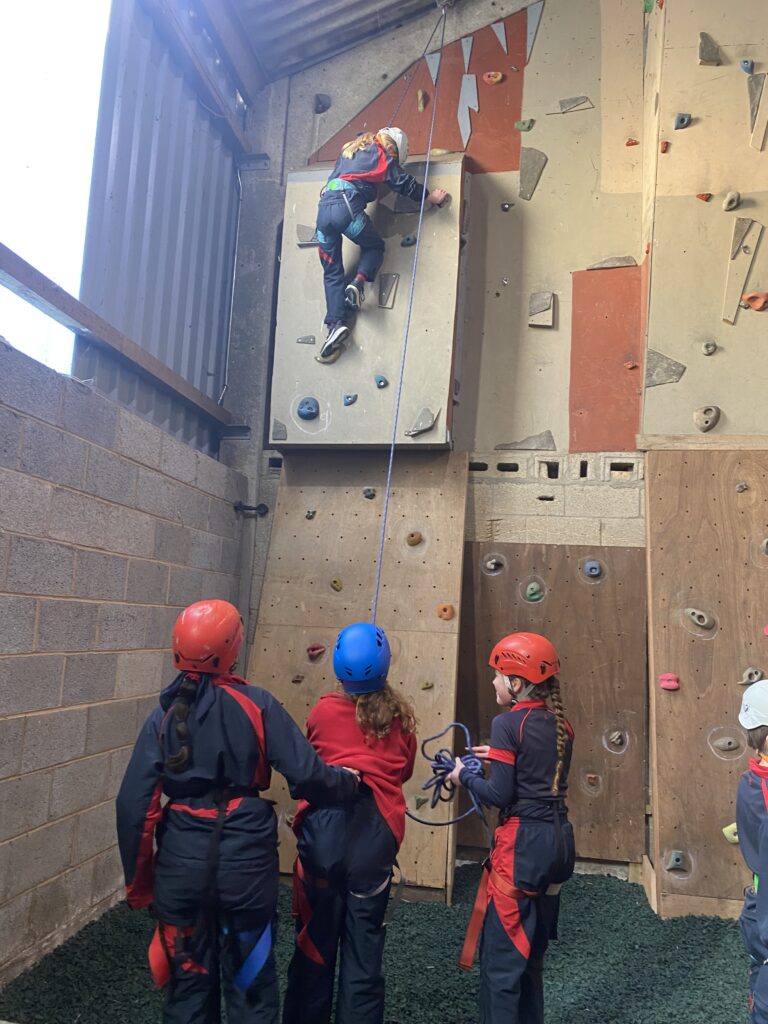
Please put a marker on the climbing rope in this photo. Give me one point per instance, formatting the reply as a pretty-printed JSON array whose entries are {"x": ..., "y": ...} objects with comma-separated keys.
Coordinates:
[
  {"x": 396, "y": 111},
  {"x": 407, "y": 321},
  {"x": 442, "y": 764}
]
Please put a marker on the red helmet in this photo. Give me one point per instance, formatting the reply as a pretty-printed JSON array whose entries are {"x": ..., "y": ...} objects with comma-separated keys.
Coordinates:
[
  {"x": 528, "y": 655},
  {"x": 207, "y": 637}
]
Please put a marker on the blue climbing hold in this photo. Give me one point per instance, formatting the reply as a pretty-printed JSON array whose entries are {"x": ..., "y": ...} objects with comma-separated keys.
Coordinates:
[
  {"x": 309, "y": 409},
  {"x": 408, "y": 241},
  {"x": 747, "y": 66},
  {"x": 381, "y": 381},
  {"x": 593, "y": 569},
  {"x": 682, "y": 121},
  {"x": 350, "y": 399}
]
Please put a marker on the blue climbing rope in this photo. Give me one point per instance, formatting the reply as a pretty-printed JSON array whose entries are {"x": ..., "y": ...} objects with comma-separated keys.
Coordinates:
[
  {"x": 396, "y": 111},
  {"x": 407, "y": 329}
]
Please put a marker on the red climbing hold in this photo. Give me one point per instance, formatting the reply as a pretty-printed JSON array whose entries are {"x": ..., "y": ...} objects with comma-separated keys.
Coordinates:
[
  {"x": 632, "y": 142},
  {"x": 663, "y": 146},
  {"x": 630, "y": 366},
  {"x": 669, "y": 681},
  {"x": 314, "y": 651},
  {"x": 492, "y": 77},
  {"x": 704, "y": 196}
]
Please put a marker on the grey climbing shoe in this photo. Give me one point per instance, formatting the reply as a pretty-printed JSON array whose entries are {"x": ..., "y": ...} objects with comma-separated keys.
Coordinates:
[
  {"x": 334, "y": 343},
  {"x": 354, "y": 295}
]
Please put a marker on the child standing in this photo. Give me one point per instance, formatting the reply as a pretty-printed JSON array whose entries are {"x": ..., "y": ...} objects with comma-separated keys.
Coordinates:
[
  {"x": 346, "y": 852},
  {"x": 752, "y": 828},
  {"x": 533, "y": 850},
  {"x": 365, "y": 163},
  {"x": 209, "y": 747}
]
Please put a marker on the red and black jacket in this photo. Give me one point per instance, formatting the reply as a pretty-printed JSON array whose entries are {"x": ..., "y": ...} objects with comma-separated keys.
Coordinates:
[
  {"x": 752, "y": 829},
  {"x": 370, "y": 167}
]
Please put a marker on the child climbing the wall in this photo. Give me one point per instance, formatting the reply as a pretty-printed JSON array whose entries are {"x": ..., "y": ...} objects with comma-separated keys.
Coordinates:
[
  {"x": 516, "y": 910},
  {"x": 209, "y": 747},
  {"x": 346, "y": 852},
  {"x": 365, "y": 163},
  {"x": 752, "y": 830}
]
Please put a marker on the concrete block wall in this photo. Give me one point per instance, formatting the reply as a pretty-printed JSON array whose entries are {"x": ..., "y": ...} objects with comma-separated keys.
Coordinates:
[{"x": 108, "y": 527}]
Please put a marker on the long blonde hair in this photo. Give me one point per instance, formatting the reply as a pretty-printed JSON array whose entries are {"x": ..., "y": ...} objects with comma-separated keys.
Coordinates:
[
  {"x": 349, "y": 149},
  {"x": 376, "y": 711},
  {"x": 556, "y": 700}
]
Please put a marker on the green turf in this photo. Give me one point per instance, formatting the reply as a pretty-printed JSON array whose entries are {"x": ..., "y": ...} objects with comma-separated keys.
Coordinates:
[{"x": 615, "y": 963}]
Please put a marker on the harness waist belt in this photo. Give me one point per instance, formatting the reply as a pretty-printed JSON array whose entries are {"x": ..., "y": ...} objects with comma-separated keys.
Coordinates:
[{"x": 479, "y": 910}]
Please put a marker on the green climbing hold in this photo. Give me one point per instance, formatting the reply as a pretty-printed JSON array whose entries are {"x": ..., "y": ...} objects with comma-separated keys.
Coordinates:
[
  {"x": 420, "y": 801},
  {"x": 647, "y": 6},
  {"x": 534, "y": 591},
  {"x": 526, "y": 125}
]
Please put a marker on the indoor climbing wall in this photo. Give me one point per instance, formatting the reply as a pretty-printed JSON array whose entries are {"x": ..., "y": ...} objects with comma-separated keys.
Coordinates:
[
  {"x": 591, "y": 601},
  {"x": 355, "y": 397},
  {"x": 708, "y": 573},
  {"x": 320, "y": 577}
]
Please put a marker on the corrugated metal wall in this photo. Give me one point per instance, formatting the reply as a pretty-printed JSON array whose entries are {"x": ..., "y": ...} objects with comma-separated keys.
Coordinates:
[{"x": 162, "y": 224}]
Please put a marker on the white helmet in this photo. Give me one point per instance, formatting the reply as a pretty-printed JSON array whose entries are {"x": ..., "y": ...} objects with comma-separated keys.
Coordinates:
[
  {"x": 754, "y": 706},
  {"x": 400, "y": 139}
]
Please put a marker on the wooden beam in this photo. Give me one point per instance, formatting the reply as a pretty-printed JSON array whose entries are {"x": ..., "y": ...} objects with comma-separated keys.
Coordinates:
[
  {"x": 233, "y": 40},
  {"x": 701, "y": 442},
  {"x": 39, "y": 291}
]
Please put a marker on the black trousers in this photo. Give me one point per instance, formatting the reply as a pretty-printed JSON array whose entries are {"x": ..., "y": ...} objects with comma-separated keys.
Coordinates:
[{"x": 337, "y": 217}]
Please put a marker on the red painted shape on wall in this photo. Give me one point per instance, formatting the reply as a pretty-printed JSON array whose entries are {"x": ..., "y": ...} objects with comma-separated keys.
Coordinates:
[
  {"x": 494, "y": 144},
  {"x": 606, "y": 333}
]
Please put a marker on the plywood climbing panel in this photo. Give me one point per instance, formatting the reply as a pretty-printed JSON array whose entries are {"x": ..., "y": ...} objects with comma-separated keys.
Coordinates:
[
  {"x": 708, "y": 578},
  {"x": 320, "y": 577},
  {"x": 597, "y": 623}
]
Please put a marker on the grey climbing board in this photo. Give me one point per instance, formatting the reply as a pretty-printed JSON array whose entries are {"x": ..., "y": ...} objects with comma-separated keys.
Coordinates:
[
  {"x": 575, "y": 103},
  {"x": 305, "y": 235},
  {"x": 467, "y": 101},
  {"x": 755, "y": 86},
  {"x": 661, "y": 369},
  {"x": 532, "y": 163},
  {"x": 388, "y": 290},
  {"x": 541, "y": 309},
  {"x": 543, "y": 442},
  {"x": 709, "y": 51},
  {"x": 614, "y": 261}
]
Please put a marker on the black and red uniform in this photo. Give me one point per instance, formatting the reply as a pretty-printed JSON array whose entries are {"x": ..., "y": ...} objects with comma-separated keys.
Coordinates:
[
  {"x": 532, "y": 855},
  {"x": 344, "y": 870},
  {"x": 212, "y": 881},
  {"x": 752, "y": 828}
]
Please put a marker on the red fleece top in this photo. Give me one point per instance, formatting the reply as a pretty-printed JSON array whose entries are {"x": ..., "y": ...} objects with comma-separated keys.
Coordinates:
[{"x": 386, "y": 764}]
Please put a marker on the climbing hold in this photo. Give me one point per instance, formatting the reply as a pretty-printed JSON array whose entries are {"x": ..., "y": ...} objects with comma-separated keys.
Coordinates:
[
  {"x": 573, "y": 104},
  {"x": 592, "y": 569},
  {"x": 663, "y": 146},
  {"x": 408, "y": 241},
  {"x": 592, "y": 779},
  {"x": 632, "y": 142},
  {"x": 388, "y": 290},
  {"x": 327, "y": 360},
  {"x": 336, "y": 584},
  {"x": 682, "y": 121},
  {"x": 727, "y": 743},
  {"x": 494, "y": 564},
  {"x": 709, "y": 51},
  {"x": 764, "y": 546},
  {"x": 541, "y": 309},
  {"x": 534, "y": 591},
  {"x": 350, "y": 399},
  {"x": 747, "y": 65},
  {"x": 709, "y": 348},
  {"x": 662, "y": 369},
  {"x": 526, "y": 125},
  {"x": 493, "y": 77},
  {"x": 381, "y": 380},
  {"x": 428, "y": 686},
  {"x": 279, "y": 431},
  {"x": 445, "y": 612},
  {"x": 298, "y": 678},
  {"x": 706, "y": 418},
  {"x": 506, "y": 207},
  {"x": 669, "y": 681},
  {"x": 675, "y": 861},
  {"x": 532, "y": 164},
  {"x": 423, "y": 422},
  {"x": 305, "y": 236},
  {"x": 704, "y": 196},
  {"x": 369, "y": 493},
  {"x": 647, "y": 6},
  {"x": 629, "y": 365},
  {"x": 751, "y": 675},
  {"x": 699, "y": 618},
  {"x": 421, "y": 101},
  {"x": 420, "y": 801},
  {"x": 310, "y": 513},
  {"x": 731, "y": 834},
  {"x": 617, "y": 739},
  {"x": 413, "y": 539},
  {"x": 612, "y": 262},
  {"x": 314, "y": 651},
  {"x": 309, "y": 409},
  {"x": 755, "y": 300},
  {"x": 306, "y": 339},
  {"x": 322, "y": 102},
  {"x": 732, "y": 201},
  {"x": 543, "y": 442},
  {"x": 740, "y": 488}
]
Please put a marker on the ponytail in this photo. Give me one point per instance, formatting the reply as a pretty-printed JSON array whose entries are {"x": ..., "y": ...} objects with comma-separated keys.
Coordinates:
[
  {"x": 556, "y": 700},
  {"x": 375, "y": 712},
  {"x": 179, "y": 711}
]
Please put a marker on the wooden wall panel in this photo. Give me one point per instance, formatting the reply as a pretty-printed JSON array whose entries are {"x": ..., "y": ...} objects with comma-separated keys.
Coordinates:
[
  {"x": 599, "y": 631},
  {"x": 298, "y": 606},
  {"x": 704, "y": 552}
]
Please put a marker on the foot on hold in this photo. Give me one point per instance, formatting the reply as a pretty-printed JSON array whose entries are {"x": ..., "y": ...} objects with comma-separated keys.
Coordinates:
[
  {"x": 354, "y": 294},
  {"x": 334, "y": 343}
]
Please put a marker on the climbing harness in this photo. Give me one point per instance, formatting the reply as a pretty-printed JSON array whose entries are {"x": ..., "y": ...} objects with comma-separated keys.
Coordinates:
[{"x": 409, "y": 314}]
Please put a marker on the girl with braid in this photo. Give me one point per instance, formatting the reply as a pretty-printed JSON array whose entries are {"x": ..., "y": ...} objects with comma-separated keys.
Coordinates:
[{"x": 516, "y": 910}]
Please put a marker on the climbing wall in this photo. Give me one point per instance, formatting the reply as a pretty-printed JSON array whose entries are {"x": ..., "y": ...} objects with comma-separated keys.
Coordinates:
[
  {"x": 357, "y": 394},
  {"x": 708, "y": 604},
  {"x": 598, "y": 624},
  {"x": 320, "y": 577}
]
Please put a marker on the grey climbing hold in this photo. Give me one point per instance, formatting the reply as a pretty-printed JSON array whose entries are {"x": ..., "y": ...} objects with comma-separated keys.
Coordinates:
[
  {"x": 614, "y": 261},
  {"x": 675, "y": 861},
  {"x": 494, "y": 564},
  {"x": 468, "y": 100},
  {"x": 741, "y": 228},
  {"x": 541, "y": 309},
  {"x": 543, "y": 442},
  {"x": 336, "y": 585},
  {"x": 388, "y": 290},
  {"x": 682, "y": 121},
  {"x": 305, "y": 235},
  {"x": 306, "y": 339},
  {"x": 423, "y": 422},
  {"x": 308, "y": 409},
  {"x": 709, "y": 348},
  {"x": 709, "y": 51},
  {"x": 751, "y": 675},
  {"x": 322, "y": 102},
  {"x": 661, "y": 369},
  {"x": 747, "y": 65},
  {"x": 350, "y": 399},
  {"x": 617, "y": 739},
  {"x": 740, "y": 488},
  {"x": 369, "y": 493},
  {"x": 727, "y": 743},
  {"x": 408, "y": 241},
  {"x": 575, "y": 103},
  {"x": 506, "y": 207},
  {"x": 706, "y": 418},
  {"x": 592, "y": 569},
  {"x": 532, "y": 163},
  {"x": 310, "y": 513},
  {"x": 279, "y": 431},
  {"x": 755, "y": 85},
  {"x": 381, "y": 381},
  {"x": 703, "y": 620},
  {"x": 732, "y": 201}
]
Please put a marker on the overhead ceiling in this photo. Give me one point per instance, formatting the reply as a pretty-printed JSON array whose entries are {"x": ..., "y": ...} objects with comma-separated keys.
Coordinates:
[{"x": 288, "y": 35}]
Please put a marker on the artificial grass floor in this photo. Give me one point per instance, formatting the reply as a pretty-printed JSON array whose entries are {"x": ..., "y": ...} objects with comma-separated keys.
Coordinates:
[{"x": 615, "y": 963}]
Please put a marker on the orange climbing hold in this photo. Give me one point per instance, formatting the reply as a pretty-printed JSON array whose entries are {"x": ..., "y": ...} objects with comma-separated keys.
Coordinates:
[
  {"x": 755, "y": 300},
  {"x": 704, "y": 196},
  {"x": 493, "y": 77},
  {"x": 632, "y": 142},
  {"x": 445, "y": 611},
  {"x": 663, "y": 145}
]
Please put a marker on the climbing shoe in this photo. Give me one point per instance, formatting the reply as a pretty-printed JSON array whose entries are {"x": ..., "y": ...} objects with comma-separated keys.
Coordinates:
[
  {"x": 334, "y": 343},
  {"x": 354, "y": 294}
]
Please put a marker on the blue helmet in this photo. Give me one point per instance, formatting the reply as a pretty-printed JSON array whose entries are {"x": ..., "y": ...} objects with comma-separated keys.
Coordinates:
[{"x": 361, "y": 658}]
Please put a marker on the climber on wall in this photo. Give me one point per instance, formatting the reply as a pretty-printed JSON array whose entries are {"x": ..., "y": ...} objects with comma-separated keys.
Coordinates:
[
  {"x": 209, "y": 747},
  {"x": 533, "y": 850},
  {"x": 365, "y": 163},
  {"x": 346, "y": 852}
]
